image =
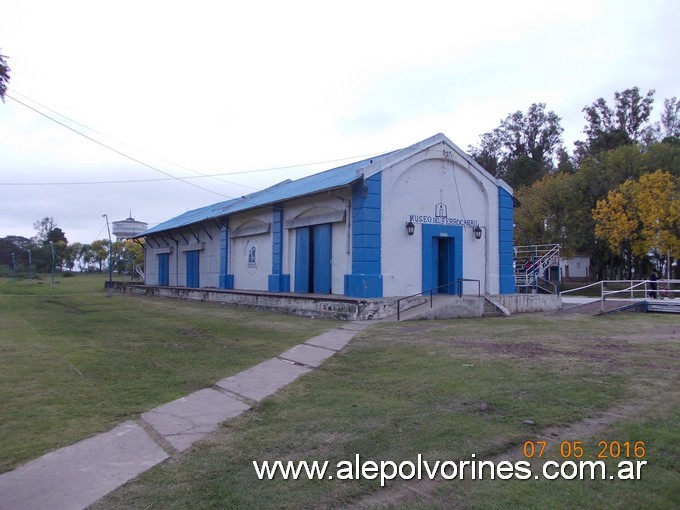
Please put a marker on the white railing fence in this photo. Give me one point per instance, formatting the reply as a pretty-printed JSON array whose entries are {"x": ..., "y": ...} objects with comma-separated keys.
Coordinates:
[{"x": 633, "y": 289}]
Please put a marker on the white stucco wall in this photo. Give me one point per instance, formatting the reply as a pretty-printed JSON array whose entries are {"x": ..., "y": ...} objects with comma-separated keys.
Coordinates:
[
  {"x": 249, "y": 274},
  {"x": 414, "y": 187}
]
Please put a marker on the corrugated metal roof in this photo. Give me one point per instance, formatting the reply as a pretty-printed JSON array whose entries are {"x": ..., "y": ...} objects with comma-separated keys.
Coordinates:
[
  {"x": 286, "y": 190},
  {"x": 323, "y": 181}
]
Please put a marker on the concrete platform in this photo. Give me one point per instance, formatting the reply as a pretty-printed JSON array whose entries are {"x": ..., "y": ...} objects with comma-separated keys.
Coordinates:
[
  {"x": 263, "y": 380},
  {"x": 326, "y": 306},
  {"x": 188, "y": 419},
  {"x": 78, "y": 475}
]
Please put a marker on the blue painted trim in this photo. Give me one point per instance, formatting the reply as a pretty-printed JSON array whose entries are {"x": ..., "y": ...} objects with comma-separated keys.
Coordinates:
[
  {"x": 277, "y": 239},
  {"x": 366, "y": 278},
  {"x": 506, "y": 214},
  {"x": 226, "y": 280},
  {"x": 278, "y": 282},
  {"x": 364, "y": 285},
  {"x": 431, "y": 234}
]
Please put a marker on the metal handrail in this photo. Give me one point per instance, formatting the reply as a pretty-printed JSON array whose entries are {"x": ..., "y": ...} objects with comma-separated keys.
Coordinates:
[
  {"x": 458, "y": 282},
  {"x": 580, "y": 288},
  {"x": 634, "y": 286}
]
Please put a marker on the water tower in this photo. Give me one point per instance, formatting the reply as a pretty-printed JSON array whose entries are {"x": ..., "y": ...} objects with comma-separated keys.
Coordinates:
[{"x": 125, "y": 229}]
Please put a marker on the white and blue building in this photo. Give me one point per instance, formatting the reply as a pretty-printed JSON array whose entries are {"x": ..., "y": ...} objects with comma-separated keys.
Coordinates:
[{"x": 419, "y": 218}]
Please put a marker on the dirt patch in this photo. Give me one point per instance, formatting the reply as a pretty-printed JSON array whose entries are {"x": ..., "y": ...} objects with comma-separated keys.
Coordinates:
[
  {"x": 660, "y": 333},
  {"x": 67, "y": 308},
  {"x": 195, "y": 333},
  {"x": 527, "y": 350},
  {"x": 420, "y": 327}
]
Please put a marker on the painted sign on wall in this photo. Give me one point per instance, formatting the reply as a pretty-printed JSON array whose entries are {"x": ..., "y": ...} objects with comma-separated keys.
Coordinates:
[{"x": 441, "y": 217}]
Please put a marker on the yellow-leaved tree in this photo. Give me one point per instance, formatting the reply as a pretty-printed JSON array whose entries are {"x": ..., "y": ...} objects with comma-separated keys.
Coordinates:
[
  {"x": 641, "y": 216},
  {"x": 657, "y": 207}
]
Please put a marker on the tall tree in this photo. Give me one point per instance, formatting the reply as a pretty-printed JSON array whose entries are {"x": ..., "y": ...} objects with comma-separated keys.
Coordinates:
[
  {"x": 55, "y": 235},
  {"x": 545, "y": 211},
  {"x": 523, "y": 148},
  {"x": 608, "y": 128},
  {"x": 670, "y": 119},
  {"x": 43, "y": 227},
  {"x": 4, "y": 76},
  {"x": 100, "y": 250}
]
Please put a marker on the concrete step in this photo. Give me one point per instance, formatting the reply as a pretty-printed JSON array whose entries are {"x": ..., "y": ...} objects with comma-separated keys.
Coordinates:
[{"x": 493, "y": 308}]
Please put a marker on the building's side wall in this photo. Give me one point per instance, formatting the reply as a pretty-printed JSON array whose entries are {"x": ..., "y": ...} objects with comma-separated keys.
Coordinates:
[
  {"x": 202, "y": 238},
  {"x": 438, "y": 190}
]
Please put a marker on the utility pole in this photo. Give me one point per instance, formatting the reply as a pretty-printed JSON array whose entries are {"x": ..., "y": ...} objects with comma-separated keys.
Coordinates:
[
  {"x": 110, "y": 286},
  {"x": 52, "y": 245}
]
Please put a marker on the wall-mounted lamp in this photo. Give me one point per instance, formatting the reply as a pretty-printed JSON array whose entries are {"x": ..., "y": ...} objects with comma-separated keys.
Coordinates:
[
  {"x": 478, "y": 232},
  {"x": 410, "y": 228}
]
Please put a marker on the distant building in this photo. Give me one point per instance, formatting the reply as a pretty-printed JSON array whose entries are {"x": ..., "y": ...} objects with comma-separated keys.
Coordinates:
[
  {"x": 419, "y": 218},
  {"x": 127, "y": 229},
  {"x": 576, "y": 268}
]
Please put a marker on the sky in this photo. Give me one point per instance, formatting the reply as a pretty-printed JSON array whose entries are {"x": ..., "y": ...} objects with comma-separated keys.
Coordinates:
[{"x": 167, "y": 106}]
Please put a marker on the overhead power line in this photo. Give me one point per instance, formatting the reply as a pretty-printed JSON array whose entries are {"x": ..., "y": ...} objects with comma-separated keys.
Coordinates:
[
  {"x": 114, "y": 150},
  {"x": 169, "y": 176},
  {"x": 123, "y": 143}
]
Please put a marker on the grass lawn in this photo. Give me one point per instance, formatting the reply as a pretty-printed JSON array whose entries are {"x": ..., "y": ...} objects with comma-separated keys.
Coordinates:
[
  {"x": 75, "y": 362},
  {"x": 447, "y": 390}
]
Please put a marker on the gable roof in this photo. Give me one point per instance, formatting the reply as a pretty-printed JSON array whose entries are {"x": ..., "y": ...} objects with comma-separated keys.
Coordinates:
[{"x": 324, "y": 181}]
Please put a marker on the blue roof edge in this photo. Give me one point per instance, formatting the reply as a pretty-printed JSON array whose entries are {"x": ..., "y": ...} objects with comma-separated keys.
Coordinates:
[{"x": 326, "y": 180}]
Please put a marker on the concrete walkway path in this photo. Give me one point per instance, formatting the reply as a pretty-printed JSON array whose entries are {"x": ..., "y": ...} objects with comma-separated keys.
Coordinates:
[{"x": 76, "y": 476}]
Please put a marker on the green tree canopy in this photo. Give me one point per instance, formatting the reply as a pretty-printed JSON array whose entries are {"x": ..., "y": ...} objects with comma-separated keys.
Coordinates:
[
  {"x": 608, "y": 128},
  {"x": 524, "y": 148}
]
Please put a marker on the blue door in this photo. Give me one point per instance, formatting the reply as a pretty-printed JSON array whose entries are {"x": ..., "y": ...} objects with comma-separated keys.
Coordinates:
[
  {"x": 164, "y": 269},
  {"x": 322, "y": 255},
  {"x": 442, "y": 257},
  {"x": 192, "y": 268},
  {"x": 313, "y": 259},
  {"x": 302, "y": 238},
  {"x": 445, "y": 265}
]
